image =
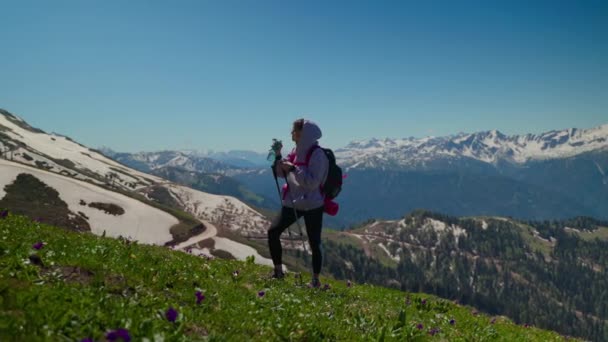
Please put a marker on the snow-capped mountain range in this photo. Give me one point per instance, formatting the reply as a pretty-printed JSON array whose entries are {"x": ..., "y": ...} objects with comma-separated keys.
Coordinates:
[
  {"x": 187, "y": 160},
  {"x": 488, "y": 147},
  {"x": 225, "y": 163},
  {"x": 556, "y": 174}
]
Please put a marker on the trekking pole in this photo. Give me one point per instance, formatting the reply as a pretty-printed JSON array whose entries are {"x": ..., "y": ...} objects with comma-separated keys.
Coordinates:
[
  {"x": 274, "y": 152},
  {"x": 276, "y": 180},
  {"x": 295, "y": 212}
]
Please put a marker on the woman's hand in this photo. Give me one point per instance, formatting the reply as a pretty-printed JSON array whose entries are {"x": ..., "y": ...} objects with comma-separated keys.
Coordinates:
[{"x": 287, "y": 166}]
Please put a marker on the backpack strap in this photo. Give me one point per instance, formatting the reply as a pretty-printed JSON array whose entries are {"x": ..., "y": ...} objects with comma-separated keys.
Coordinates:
[
  {"x": 308, "y": 155},
  {"x": 310, "y": 152},
  {"x": 292, "y": 158}
]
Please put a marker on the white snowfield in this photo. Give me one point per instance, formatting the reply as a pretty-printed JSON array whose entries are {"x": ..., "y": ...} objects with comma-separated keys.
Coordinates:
[
  {"x": 240, "y": 251},
  {"x": 488, "y": 147},
  {"x": 236, "y": 249},
  {"x": 140, "y": 221},
  {"x": 223, "y": 211},
  {"x": 61, "y": 148},
  {"x": 209, "y": 233}
]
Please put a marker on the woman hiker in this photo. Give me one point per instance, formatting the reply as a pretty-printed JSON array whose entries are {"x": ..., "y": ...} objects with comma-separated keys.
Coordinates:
[{"x": 303, "y": 192}]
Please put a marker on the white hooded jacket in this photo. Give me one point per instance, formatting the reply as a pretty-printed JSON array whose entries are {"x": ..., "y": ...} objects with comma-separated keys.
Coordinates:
[{"x": 305, "y": 181}]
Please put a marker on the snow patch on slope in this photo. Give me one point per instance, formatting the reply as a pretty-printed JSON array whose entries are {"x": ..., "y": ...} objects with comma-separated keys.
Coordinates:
[
  {"x": 5, "y": 179},
  {"x": 395, "y": 258},
  {"x": 436, "y": 225},
  {"x": 240, "y": 251},
  {"x": 62, "y": 148},
  {"x": 223, "y": 211},
  {"x": 140, "y": 222}
]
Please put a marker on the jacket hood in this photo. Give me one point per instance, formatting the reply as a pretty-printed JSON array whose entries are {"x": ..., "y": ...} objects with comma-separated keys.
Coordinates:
[{"x": 311, "y": 133}]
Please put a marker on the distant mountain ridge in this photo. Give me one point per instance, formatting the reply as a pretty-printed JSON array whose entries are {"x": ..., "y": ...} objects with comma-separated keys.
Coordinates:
[
  {"x": 488, "y": 147},
  {"x": 557, "y": 174},
  {"x": 491, "y": 147},
  {"x": 207, "y": 162},
  {"x": 150, "y": 161},
  {"x": 553, "y": 272}
]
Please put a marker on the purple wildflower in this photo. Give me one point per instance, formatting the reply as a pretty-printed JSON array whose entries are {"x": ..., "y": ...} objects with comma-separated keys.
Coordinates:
[
  {"x": 434, "y": 331},
  {"x": 199, "y": 297},
  {"x": 4, "y": 214},
  {"x": 419, "y": 326},
  {"x": 171, "y": 314},
  {"x": 349, "y": 284},
  {"x": 423, "y": 302},
  {"x": 121, "y": 333},
  {"x": 452, "y": 322},
  {"x": 38, "y": 245},
  {"x": 326, "y": 287},
  {"x": 261, "y": 294}
]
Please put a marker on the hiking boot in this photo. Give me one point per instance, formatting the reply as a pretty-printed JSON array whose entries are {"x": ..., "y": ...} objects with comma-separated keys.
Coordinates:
[
  {"x": 276, "y": 275},
  {"x": 314, "y": 283}
]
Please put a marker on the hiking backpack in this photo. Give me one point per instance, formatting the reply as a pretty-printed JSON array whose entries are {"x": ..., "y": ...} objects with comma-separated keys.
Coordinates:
[{"x": 333, "y": 184}]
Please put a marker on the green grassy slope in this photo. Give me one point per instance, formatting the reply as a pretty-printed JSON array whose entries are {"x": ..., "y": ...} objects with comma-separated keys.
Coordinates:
[{"x": 83, "y": 286}]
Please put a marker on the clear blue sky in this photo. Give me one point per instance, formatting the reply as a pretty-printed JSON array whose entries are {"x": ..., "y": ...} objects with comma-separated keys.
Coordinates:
[{"x": 149, "y": 75}]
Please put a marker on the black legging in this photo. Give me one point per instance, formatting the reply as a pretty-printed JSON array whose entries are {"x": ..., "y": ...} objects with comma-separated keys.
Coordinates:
[{"x": 314, "y": 222}]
